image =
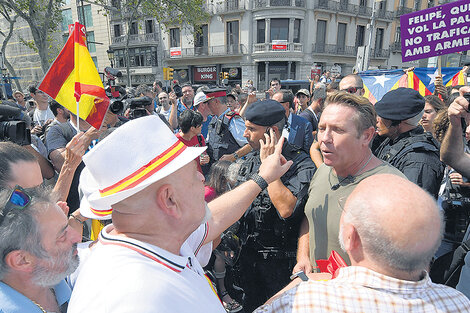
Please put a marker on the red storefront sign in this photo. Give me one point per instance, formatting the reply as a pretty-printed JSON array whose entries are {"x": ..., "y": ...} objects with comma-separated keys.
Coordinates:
[{"x": 205, "y": 74}]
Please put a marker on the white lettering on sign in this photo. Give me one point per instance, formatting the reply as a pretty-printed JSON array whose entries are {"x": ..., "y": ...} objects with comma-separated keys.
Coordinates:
[
  {"x": 460, "y": 9},
  {"x": 207, "y": 76},
  {"x": 464, "y": 30},
  {"x": 417, "y": 50},
  {"x": 460, "y": 20},
  {"x": 411, "y": 41},
  {"x": 425, "y": 17},
  {"x": 453, "y": 43},
  {"x": 206, "y": 69}
]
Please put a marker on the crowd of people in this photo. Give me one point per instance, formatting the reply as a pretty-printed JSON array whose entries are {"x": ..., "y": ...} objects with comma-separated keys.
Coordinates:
[{"x": 212, "y": 200}]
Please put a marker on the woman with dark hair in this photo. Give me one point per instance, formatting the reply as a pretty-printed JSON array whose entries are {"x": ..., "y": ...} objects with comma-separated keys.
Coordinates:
[
  {"x": 432, "y": 106},
  {"x": 190, "y": 124}
]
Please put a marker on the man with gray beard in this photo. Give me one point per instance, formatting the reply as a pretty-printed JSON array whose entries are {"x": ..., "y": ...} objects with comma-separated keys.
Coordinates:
[{"x": 38, "y": 250}]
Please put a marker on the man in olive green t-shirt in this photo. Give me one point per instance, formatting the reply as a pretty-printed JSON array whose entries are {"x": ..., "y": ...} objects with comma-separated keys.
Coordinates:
[{"x": 345, "y": 130}]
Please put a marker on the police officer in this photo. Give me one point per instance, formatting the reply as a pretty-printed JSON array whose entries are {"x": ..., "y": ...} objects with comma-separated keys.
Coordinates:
[
  {"x": 407, "y": 147},
  {"x": 270, "y": 226},
  {"x": 225, "y": 135}
]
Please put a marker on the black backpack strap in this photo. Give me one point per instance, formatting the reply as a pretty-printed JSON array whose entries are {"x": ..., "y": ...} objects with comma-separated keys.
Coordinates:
[{"x": 452, "y": 275}]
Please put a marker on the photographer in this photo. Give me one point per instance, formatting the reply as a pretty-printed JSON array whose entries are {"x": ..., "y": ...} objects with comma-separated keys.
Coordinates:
[
  {"x": 143, "y": 106},
  {"x": 42, "y": 114},
  {"x": 453, "y": 154},
  {"x": 13, "y": 129}
]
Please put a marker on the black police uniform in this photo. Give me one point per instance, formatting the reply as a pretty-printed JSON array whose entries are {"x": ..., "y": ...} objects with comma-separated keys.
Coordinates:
[
  {"x": 415, "y": 153},
  {"x": 220, "y": 139},
  {"x": 269, "y": 241}
]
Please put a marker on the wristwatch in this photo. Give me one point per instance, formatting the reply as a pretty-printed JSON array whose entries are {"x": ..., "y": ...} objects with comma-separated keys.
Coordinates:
[
  {"x": 235, "y": 155},
  {"x": 300, "y": 274},
  {"x": 259, "y": 180}
]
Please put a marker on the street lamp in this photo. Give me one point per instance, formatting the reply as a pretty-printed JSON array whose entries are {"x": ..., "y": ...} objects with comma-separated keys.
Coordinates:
[{"x": 110, "y": 53}]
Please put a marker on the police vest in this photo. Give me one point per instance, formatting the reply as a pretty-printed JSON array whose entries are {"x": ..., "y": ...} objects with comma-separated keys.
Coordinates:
[
  {"x": 421, "y": 142},
  {"x": 261, "y": 227},
  {"x": 220, "y": 139}
]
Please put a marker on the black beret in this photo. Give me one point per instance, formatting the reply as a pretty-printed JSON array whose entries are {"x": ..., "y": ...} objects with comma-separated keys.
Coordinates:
[
  {"x": 400, "y": 104},
  {"x": 215, "y": 93},
  {"x": 265, "y": 112}
]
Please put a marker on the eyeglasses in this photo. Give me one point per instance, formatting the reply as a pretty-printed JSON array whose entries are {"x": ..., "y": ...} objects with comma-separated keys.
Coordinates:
[
  {"x": 352, "y": 89},
  {"x": 18, "y": 200}
]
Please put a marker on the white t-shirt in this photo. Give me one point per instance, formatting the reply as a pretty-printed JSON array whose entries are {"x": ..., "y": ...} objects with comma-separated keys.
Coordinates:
[
  {"x": 41, "y": 116},
  {"x": 127, "y": 275}
]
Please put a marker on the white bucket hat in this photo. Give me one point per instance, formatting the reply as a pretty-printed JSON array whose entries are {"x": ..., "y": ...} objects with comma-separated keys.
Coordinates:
[{"x": 134, "y": 156}]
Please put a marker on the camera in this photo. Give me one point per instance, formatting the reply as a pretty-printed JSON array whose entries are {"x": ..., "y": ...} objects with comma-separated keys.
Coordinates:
[
  {"x": 178, "y": 90},
  {"x": 12, "y": 127},
  {"x": 137, "y": 107}
]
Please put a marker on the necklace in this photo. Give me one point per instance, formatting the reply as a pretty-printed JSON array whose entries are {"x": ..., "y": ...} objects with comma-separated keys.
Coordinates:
[
  {"x": 351, "y": 177},
  {"x": 39, "y": 306}
]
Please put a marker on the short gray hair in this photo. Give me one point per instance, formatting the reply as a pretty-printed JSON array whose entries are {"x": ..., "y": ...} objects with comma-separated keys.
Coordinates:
[
  {"x": 377, "y": 243},
  {"x": 19, "y": 229}
]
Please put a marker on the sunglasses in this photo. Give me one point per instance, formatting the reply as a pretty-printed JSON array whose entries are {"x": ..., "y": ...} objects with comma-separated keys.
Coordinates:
[
  {"x": 352, "y": 89},
  {"x": 18, "y": 200}
]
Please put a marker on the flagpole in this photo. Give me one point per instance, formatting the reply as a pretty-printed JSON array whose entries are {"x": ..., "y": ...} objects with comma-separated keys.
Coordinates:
[
  {"x": 76, "y": 37},
  {"x": 439, "y": 65}
]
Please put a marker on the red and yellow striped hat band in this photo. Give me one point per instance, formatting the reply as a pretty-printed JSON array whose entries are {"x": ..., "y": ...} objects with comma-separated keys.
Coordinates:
[
  {"x": 145, "y": 171},
  {"x": 101, "y": 213}
]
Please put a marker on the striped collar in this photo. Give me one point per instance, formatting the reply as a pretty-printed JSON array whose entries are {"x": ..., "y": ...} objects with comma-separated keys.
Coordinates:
[{"x": 172, "y": 261}]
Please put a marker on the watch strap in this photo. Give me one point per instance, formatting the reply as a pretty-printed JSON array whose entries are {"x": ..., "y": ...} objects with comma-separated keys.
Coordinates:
[{"x": 259, "y": 180}]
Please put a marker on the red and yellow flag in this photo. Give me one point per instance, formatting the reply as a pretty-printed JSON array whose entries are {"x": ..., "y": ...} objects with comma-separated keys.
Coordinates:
[{"x": 73, "y": 78}]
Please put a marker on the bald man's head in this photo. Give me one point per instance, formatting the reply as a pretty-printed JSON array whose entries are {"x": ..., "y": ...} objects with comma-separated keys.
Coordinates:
[{"x": 398, "y": 223}]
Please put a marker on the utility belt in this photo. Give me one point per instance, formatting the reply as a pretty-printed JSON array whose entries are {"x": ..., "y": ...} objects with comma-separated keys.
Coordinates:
[{"x": 276, "y": 254}]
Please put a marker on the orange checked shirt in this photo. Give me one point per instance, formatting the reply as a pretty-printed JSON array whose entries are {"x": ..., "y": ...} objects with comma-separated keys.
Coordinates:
[{"x": 358, "y": 289}]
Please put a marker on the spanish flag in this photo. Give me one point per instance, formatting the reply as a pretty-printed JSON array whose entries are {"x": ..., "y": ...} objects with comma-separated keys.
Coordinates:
[{"x": 73, "y": 78}]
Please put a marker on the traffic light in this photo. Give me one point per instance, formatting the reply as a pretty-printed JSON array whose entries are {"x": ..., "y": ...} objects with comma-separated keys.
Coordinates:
[
  {"x": 170, "y": 73},
  {"x": 165, "y": 73},
  {"x": 221, "y": 75},
  {"x": 225, "y": 75}
]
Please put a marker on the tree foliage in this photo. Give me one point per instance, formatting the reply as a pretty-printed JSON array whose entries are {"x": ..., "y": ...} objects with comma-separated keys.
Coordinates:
[
  {"x": 6, "y": 14},
  {"x": 179, "y": 13},
  {"x": 43, "y": 18}
]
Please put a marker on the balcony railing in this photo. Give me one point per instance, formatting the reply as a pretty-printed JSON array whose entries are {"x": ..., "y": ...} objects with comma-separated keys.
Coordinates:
[
  {"x": 223, "y": 50},
  {"x": 347, "y": 51},
  {"x": 396, "y": 46},
  {"x": 139, "y": 38},
  {"x": 266, "y": 47},
  {"x": 403, "y": 10},
  {"x": 229, "y": 6},
  {"x": 379, "y": 53},
  {"x": 353, "y": 9},
  {"x": 279, "y": 3},
  {"x": 334, "y": 49}
]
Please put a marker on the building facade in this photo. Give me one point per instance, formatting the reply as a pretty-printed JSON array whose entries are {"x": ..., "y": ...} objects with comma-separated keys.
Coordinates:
[
  {"x": 263, "y": 39},
  {"x": 286, "y": 39}
]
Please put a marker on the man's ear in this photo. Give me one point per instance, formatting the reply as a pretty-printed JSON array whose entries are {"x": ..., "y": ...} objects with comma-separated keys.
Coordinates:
[
  {"x": 20, "y": 260},
  {"x": 368, "y": 134},
  {"x": 167, "y": 201},
  {"x": 353, "y": 243}
]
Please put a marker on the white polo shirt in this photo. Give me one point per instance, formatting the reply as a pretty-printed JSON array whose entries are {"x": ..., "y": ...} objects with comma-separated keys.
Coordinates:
[{"x": 127, "y": 275}]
